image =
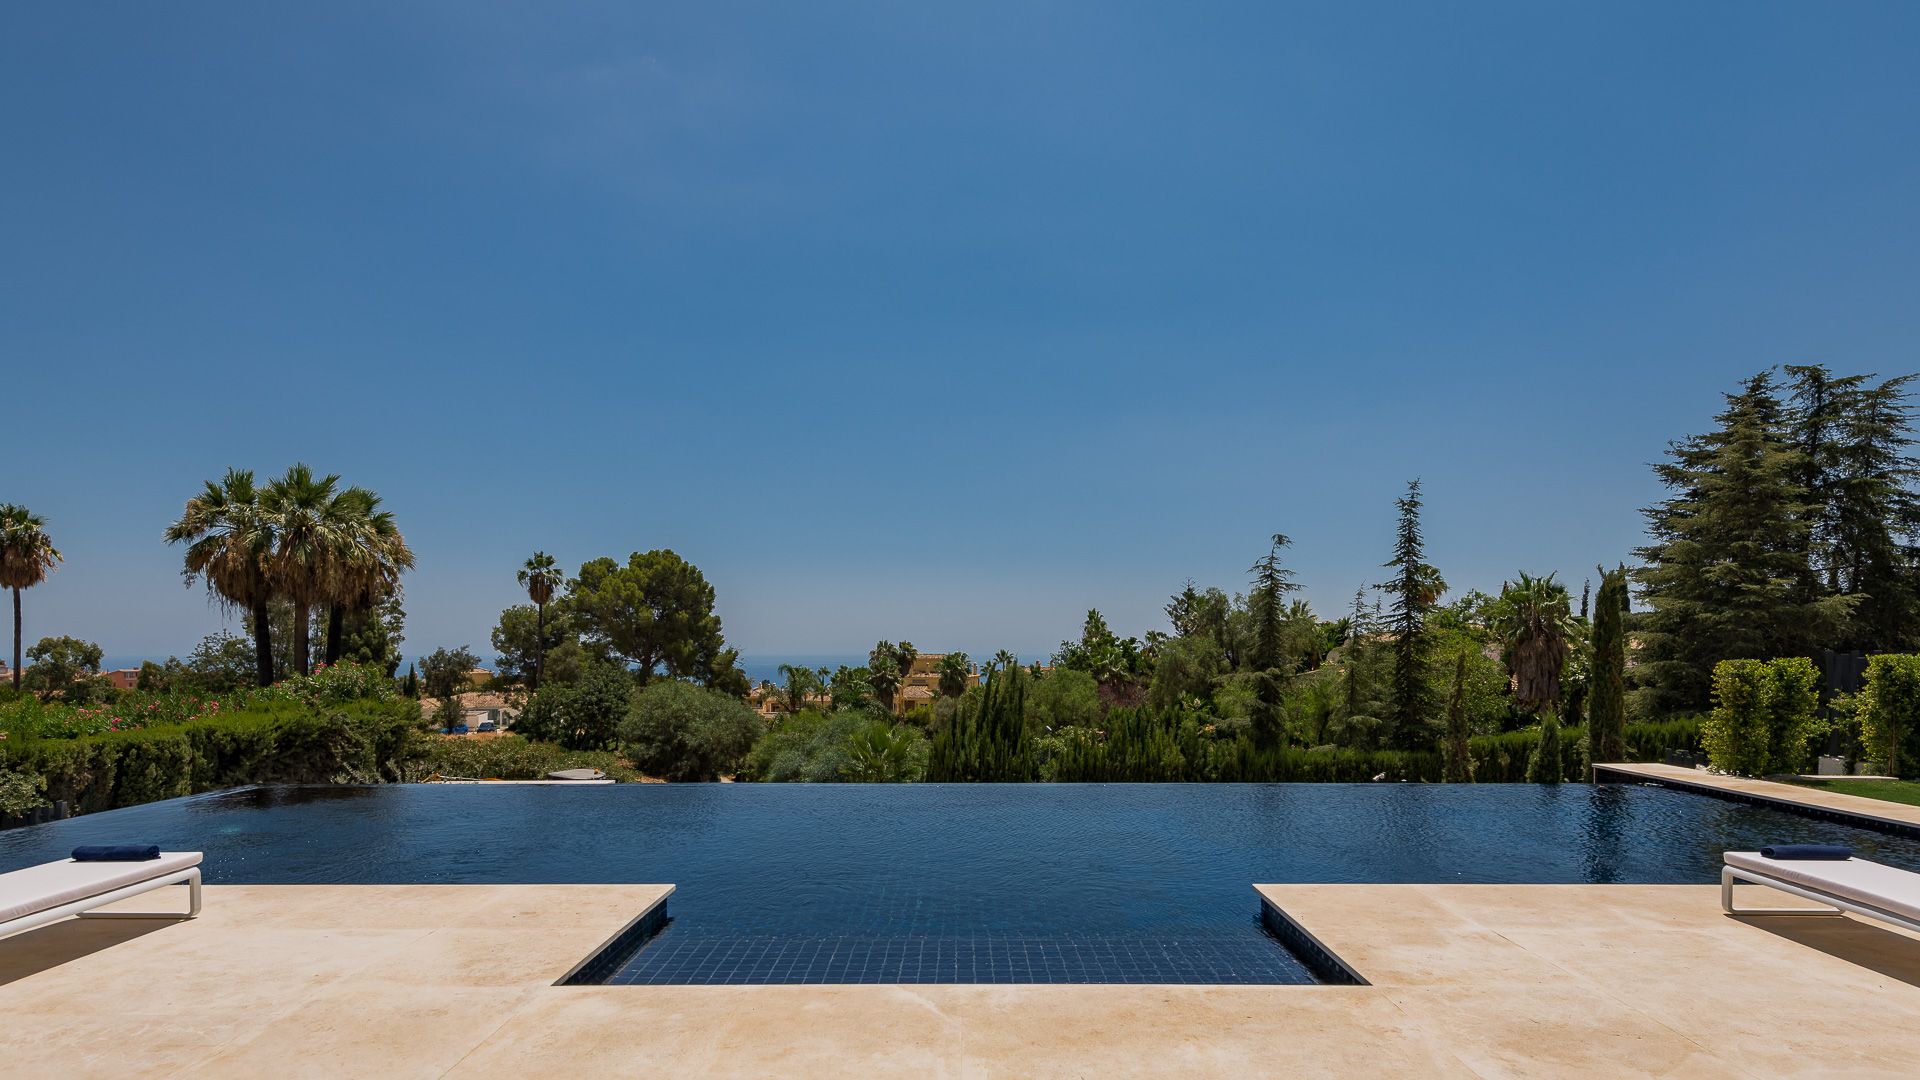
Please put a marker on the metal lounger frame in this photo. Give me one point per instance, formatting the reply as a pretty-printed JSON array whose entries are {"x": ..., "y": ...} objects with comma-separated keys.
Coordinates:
[
  {"x": 1840, "y": 904},
  {"x": 82, "y": 907}
]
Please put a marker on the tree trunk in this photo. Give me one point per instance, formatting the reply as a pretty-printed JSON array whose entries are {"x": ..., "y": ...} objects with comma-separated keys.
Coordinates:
[
  {"x": 336, "y": 616},
  {"x": 302, "y": 637},
  {"x": 539, "y": 643},
  {"x": 262, "y": 643},
  {"x": 16, "y": 638}
]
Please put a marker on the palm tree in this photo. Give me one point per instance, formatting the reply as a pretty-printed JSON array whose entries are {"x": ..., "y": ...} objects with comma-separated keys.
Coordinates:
[
  {"x": 956, "y": 674},
  {"x": 27, "y": 556},
  {"x": 230, "y": 546},
  {"x": 1535, "y": 622},
  {"x": 541, "y": 577},
  {"x": 884, "y": 676},
  {"x": 312, "y": 520},
  {"x": 371, "y": 562},
  {"x": 802, "y": 682}
]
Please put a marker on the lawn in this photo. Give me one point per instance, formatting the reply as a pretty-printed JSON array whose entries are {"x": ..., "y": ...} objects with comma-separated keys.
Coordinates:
[{"x": 1899, "y": 791}]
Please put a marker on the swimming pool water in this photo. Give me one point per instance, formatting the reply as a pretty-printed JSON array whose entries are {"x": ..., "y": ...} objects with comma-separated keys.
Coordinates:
[{"x": 955, "y": 883}]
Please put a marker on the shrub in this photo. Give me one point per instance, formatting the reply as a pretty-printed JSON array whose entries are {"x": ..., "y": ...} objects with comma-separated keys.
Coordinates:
[
  {"x": 332, "y": 686},
  {"x": 1546, "y": 765},
  {"x": 883, "y": 753},
  {"x": 685, "y": 732},
  {"x": 1764, "y": 715},
  {"x": 585, "y": 715},
  {"x": 20, "y": 792},
  {"x": 510, "y": 757},
  {"x": 808, "y": 747},
  {"x": 1888, "y": 708}
]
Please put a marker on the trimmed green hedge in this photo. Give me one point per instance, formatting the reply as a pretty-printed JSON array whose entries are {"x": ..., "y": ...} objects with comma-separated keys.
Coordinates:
[{"x": 280, "y": 743}]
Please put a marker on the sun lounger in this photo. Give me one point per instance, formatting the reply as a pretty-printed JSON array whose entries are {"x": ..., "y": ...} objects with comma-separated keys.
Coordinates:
[
  {"x": 47, "y": 893},
  {"x": 1872, "y": 889}
]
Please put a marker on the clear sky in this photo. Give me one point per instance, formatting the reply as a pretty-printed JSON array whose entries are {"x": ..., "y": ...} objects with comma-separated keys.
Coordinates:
[{"x": 931, "y": 321}]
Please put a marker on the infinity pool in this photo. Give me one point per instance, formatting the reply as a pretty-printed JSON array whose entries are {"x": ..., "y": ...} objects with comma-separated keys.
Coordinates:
[{"x": 955, "y": 883}]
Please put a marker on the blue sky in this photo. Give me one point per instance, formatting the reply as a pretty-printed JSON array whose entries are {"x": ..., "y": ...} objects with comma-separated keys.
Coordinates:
[{"x": 937, "y": 322}]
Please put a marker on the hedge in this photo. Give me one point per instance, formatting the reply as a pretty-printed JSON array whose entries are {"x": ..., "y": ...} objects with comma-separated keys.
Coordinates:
[
  {"x": 280, "y": 743},
  {"x": 1765, "y": 716}
]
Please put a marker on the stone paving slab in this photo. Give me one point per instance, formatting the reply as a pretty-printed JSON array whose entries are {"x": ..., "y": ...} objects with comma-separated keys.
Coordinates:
[
  {"x": 457, "y": 981},
  {"x": 1792, "y": 795}
]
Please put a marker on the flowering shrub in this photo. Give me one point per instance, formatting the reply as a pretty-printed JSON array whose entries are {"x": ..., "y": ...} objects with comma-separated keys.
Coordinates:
[{"x": 332, "y": 685}]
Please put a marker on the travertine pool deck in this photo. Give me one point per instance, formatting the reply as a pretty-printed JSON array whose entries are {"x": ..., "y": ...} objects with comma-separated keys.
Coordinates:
[
  {"x": 1898, "y": 815},
  {"x": 457, "y": 981}
]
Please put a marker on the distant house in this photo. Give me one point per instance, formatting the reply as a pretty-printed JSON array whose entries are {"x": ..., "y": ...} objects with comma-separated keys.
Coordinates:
[
  {"x": 126, "y": 678},
  {"x": 487, "y": 706},
  {"x": 921, "y": 683},
  {"x": 770, "y": 701},
  {"x": 479, "y": 677}
]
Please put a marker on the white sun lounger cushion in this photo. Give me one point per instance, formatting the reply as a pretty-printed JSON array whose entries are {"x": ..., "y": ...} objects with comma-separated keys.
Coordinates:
[
  {"x": 1872, "y": 884},
  {"x": 49, "y": 885}
]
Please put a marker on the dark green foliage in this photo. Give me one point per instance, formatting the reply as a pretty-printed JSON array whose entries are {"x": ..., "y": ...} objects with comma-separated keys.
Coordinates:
[
  {"x": 656, "y": 613},
  {"x": 55, "y": 663},
  {"x": 883, "y": 753},
  {"x": 1729, "y": 571},
  {"x": 987, "y": 742},
  {"x": 956, "y": 674},
  {"x": 518, "y": 642},
  {"x": 412, "y": 686},
  {"x": 445, "y": 672},
  {"x": 1889, "y": 711},
  {"x": 1141, "y": 745},
  {"x": 809, "y": 746},
  {"x": 1061, "y": 698},
  {"x": 680, "y": 731},
  {"x": 1457, "y": 766},
  {"x": 1547, "y": 764},
  {"x": 1853, "y": 437},
  {"x": 585, "y": 715},
  {"x": 1607, "y": 701},
  {"x": 1410, "y": 711},
  {"x": 1266, "y": 606},
  {"x": 373, "y": 635},
  {"x": 281, "y": 743},
  {"x": 1113, "y": 661}
]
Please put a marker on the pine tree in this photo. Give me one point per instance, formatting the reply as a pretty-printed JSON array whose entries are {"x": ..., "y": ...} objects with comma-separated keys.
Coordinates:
[
  {"x": 1271, "y": 583},
  {"x": 1607, "y": 702},
  {"x": 1727, "y": 573},
  {"x": 1414, "y": 588},
  {"x": 1456, "y": 767},
  {"x": 1859, "y": 478}
]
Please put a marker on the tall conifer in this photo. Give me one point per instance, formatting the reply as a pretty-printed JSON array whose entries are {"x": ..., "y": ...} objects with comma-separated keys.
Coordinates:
[{"x": 1413, "y": 588}]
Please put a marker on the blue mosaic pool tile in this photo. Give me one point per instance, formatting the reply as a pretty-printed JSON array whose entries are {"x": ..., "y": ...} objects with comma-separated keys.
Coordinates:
[{"x": 690, "y": 957}]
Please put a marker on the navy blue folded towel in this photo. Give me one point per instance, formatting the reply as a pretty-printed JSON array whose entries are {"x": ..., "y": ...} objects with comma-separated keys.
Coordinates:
[
  {"x": 116, "y": 853},
  {"x": 1828, "y": 852}
]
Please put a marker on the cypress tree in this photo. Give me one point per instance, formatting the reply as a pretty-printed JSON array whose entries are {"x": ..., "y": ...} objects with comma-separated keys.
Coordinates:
[
  {"x": 1727, "y": 570},
  {"x": 1456, "y": 766},
  {"x": 988, "y": 744},
  {"x": 1607, "y": 702},
  {"x": 1414, "y": 588},
  {"x": 1546, "y": 765}
]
